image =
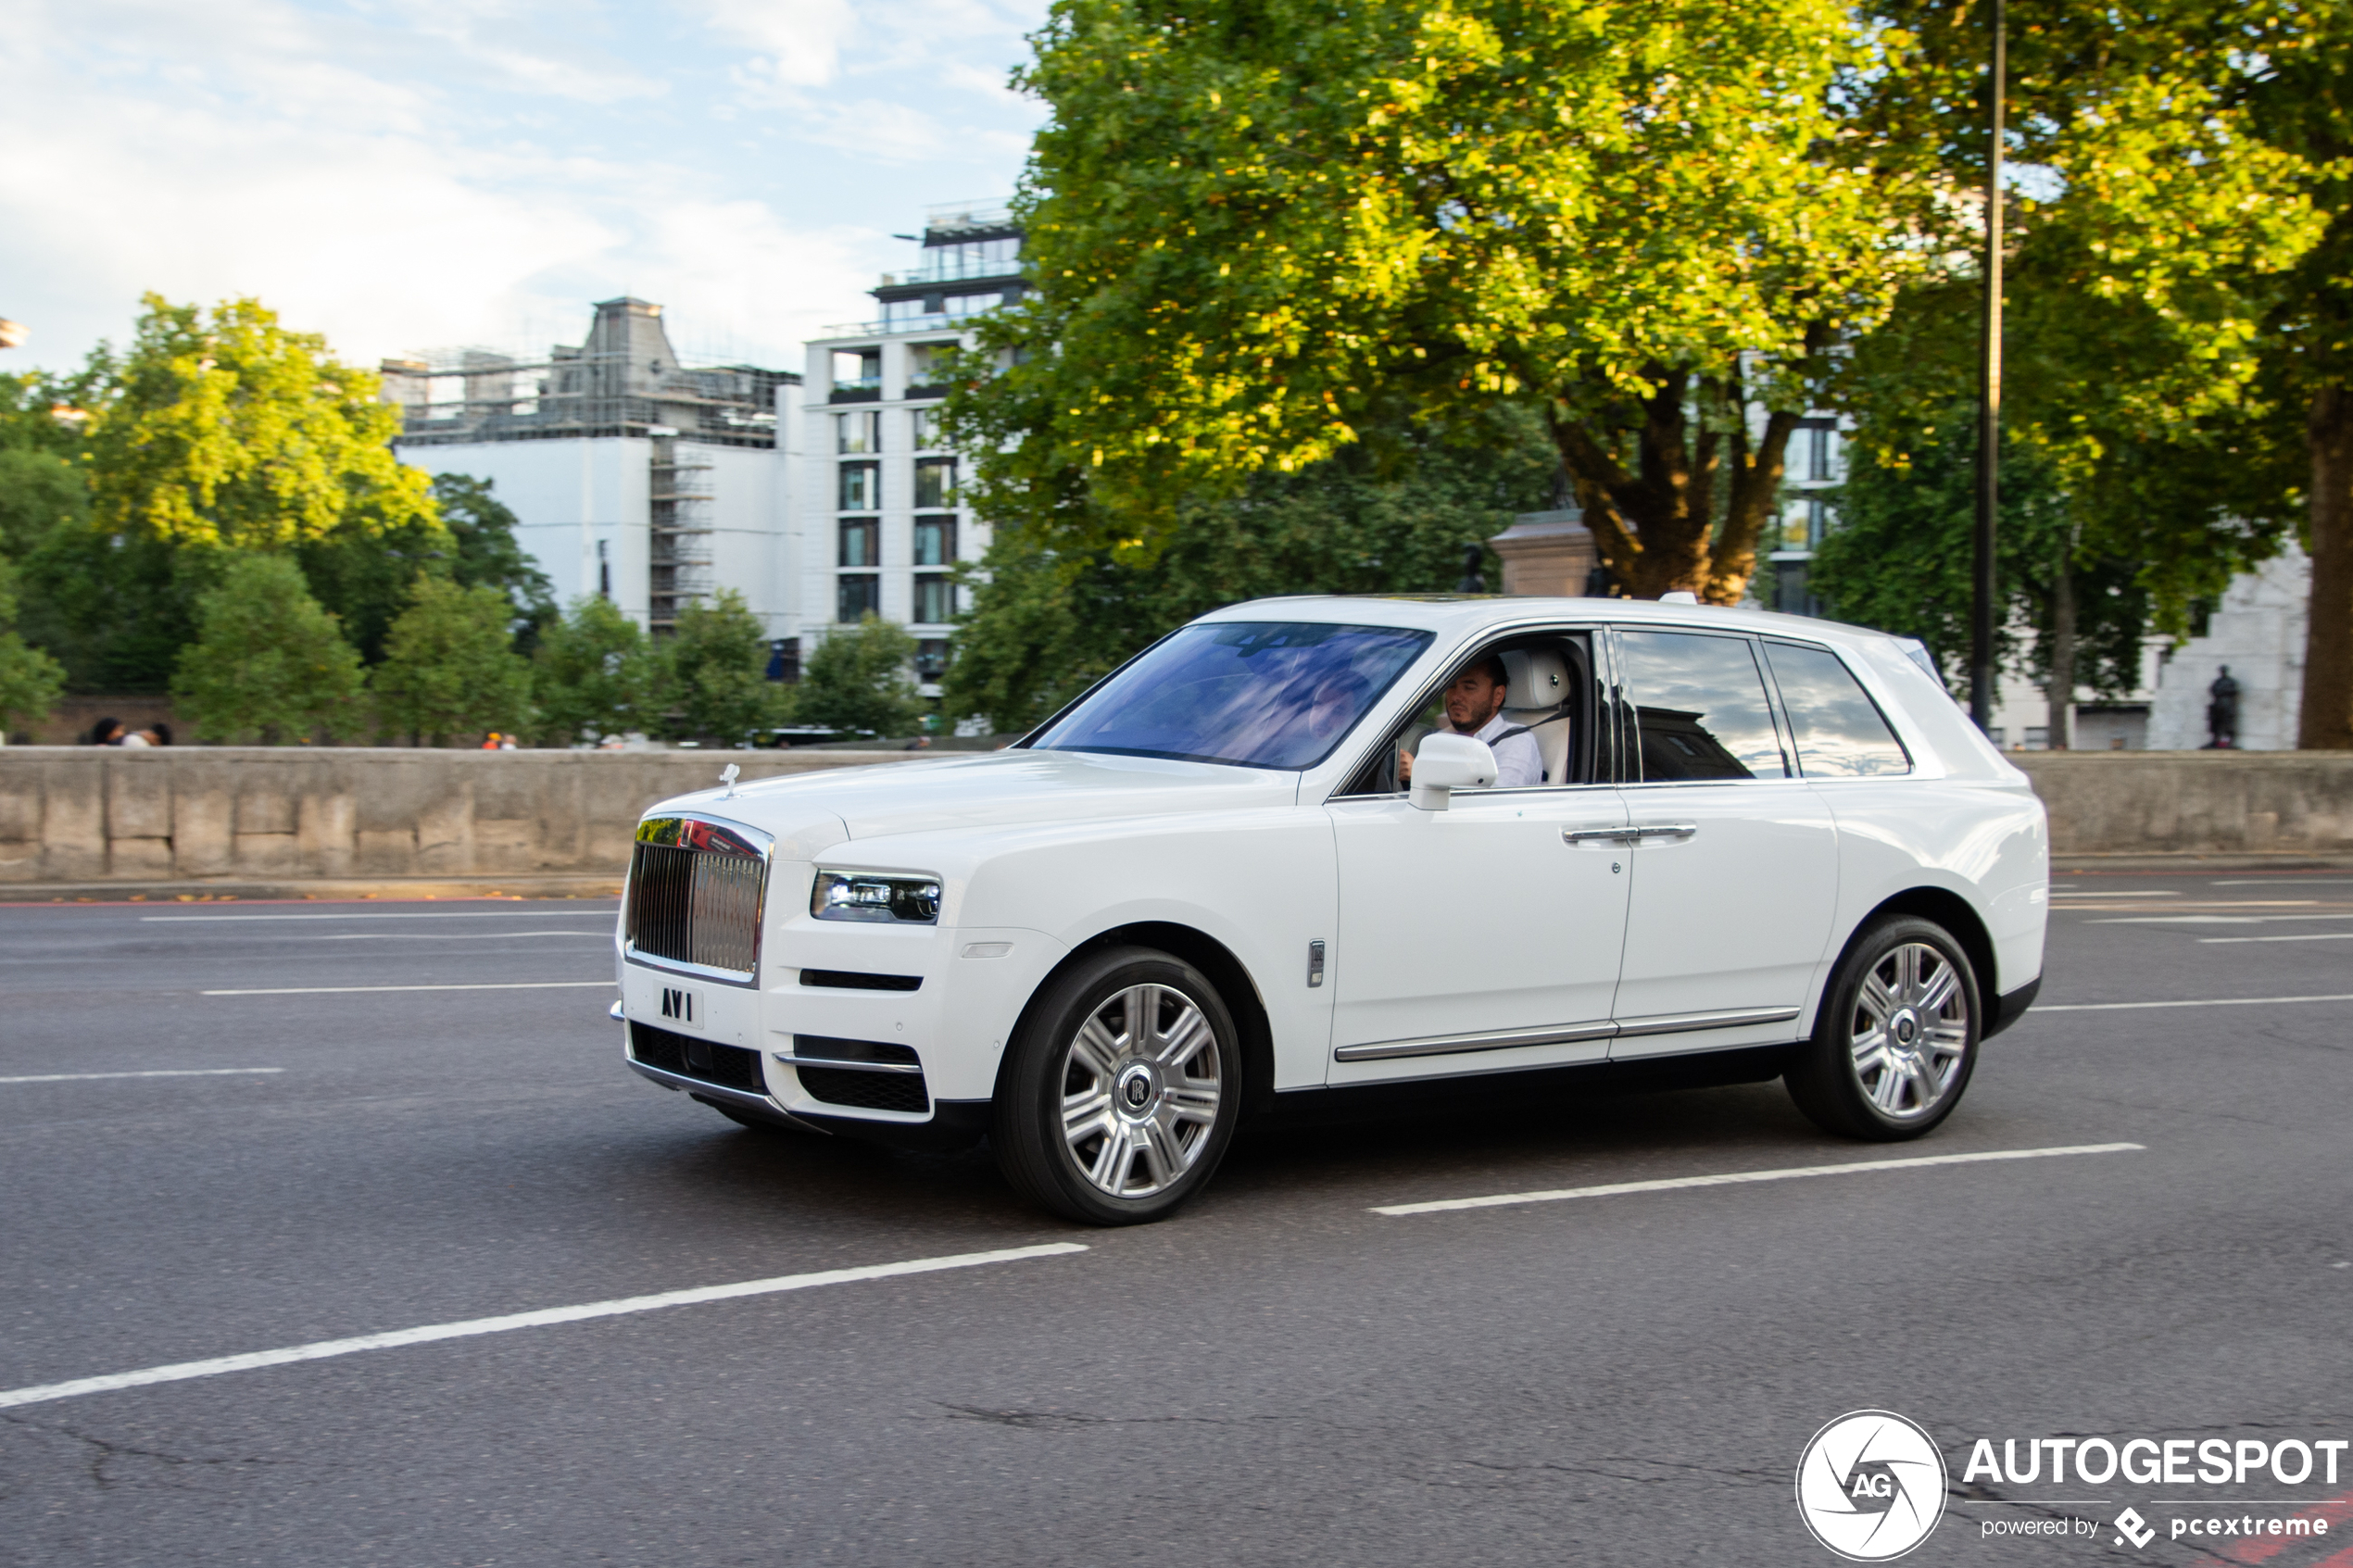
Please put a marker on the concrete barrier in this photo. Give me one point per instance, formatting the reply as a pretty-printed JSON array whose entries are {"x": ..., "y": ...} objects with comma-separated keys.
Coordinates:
[
  {"x": 2194, "y": 802},
  {"x": 90, "y": 816},
  {"x": 188, "y": 814}
]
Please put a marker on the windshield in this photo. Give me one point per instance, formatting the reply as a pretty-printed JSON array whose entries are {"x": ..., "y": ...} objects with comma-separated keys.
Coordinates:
[{"x": 1263, "y": 694}]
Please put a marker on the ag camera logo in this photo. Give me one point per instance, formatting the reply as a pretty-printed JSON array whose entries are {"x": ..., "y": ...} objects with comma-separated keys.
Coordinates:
[{"x": 1870, "y": 1485}]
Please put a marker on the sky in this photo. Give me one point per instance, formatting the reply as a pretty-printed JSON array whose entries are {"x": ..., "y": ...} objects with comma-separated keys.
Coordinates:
[{"x": 407, "y": 175}]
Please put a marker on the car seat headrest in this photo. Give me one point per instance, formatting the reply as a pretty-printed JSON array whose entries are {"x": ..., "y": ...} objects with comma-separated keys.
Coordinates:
[{"x": 1538, "y": 678}]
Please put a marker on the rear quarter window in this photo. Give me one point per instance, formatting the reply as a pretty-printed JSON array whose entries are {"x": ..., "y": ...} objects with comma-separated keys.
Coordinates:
[{"x": 1840, "y": 732}]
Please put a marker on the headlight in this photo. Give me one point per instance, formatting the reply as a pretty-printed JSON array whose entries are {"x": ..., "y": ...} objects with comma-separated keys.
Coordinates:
[{"x": 869, "y": 897}]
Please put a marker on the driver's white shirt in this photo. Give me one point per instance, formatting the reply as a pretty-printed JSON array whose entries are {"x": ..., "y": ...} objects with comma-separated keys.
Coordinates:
[{"x": 1518, "y": 762}]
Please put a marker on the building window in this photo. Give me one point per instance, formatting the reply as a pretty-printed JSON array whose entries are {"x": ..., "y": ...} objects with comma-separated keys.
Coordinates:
[
  {"x": 936, "y": 482},
  {"x": 857, "y": 370},
  {"x": 935, "y": 598},
  {"x": 861, "y": 542},
  {"x": 860, "y": 487},
  {"x": 927, "y": 366},
  {"x": 931, "y": 658},
  {"x": 784, "y": 658},
  {"x": 936, "y": 541},
  {"x": 970, "y": 258},
  {"x": 855, "y": 595},
  {"x": 926, "y": 429},
  {"x": 604, "y": 569},
  {"x": 860, "y": 432}
]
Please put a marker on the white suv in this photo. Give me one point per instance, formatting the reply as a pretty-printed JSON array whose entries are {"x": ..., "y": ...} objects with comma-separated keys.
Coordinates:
[{"x": 1260, "y": 872}]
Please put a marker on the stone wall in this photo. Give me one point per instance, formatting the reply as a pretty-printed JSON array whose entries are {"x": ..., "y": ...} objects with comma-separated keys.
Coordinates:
[
  {"x": 92, "y": 814},
  {"x": 2194, "y": 802},
  {"x": 86, "y": 814}
]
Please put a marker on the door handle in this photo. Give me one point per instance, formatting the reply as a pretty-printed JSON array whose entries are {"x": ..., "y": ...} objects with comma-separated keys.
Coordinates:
[
  {"x": 1620, "y": 835},
  {"x": 1676, "y": 831}
]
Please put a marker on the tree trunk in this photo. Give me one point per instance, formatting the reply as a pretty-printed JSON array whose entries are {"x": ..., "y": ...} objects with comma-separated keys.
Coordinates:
[
  {"x": 2060, "y": 728},
  {"x": 2326, "y": 723}
]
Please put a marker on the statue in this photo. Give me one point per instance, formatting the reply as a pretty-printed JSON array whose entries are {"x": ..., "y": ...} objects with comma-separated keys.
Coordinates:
[
  {"x": 2222, "y": 713},
  {"x": 1474, "y": 576}
]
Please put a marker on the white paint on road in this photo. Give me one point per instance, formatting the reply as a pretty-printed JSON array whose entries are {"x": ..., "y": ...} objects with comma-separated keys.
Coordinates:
[
  {"x": 603, "y": 935},
  {"x": 154, "y": 1072},
  {"x": 342, "y": 990},
  {"x": 2205, "y": 1002},
  {"x": 321, "y": 1350},
  {"x": 1737, "y": 1178},
  {"x": 2206, "y": 920},
  {"x": 2294, "y": 936},
  {"x": 372, "y": 914}
]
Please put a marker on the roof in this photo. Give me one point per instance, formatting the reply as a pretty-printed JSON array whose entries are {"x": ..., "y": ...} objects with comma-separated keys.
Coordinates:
[{"x": 1468, "y": 614}]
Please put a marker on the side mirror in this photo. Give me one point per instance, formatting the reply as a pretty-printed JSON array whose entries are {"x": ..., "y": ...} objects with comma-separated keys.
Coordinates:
[{"x": 1447, "y": 762}]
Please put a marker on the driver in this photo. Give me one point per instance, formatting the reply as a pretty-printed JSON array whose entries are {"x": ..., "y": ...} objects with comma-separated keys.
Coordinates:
[{"x": 1474, "y": 708}]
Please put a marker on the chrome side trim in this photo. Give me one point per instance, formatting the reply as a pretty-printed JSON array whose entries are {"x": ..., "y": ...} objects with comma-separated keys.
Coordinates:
[
  {"x": 765, "y": 1104},
  {"x": 1447, "y": 1045},
  {"x": 790, "y": 1059},
  {"x": 1508, "y": 1039},
  {"x": 1683, "y": 1023}
]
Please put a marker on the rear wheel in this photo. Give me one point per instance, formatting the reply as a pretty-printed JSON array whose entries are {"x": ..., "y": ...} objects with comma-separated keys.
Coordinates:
[
  {"x": 1120, "y": 1092},
  {"x": 1897, "y": 1037}
]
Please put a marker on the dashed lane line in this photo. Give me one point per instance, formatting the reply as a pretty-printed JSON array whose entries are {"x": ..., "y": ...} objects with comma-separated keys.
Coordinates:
[
  {"x": 1739, "y": 1178},
  {"x": 373, "y": 914},
  {"x": 347, "y": 990},
  {"x": 152, "y": 1073},
  {"x": 321, "y": 1350},
  {"x": 2202, "y": 1002}
]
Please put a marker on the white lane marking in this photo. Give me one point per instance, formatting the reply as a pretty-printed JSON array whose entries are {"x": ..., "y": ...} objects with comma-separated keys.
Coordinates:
[
  {"x": 153, "y": 1073},
  {"x": 344, "y": 990},
  {"x": 2205, "y": 1002},
  {"x": 182, "y": 1370},
  {"x": 2071, "y": 893},
  {"x": 604, "y": 936},
  {"x": 2206, "y": 920},
  {"x": 370, "y": 914},
  {"x": 2288, "y": 882},
  {"x": 2295, "y": 936},
  {"x": 1736, "y": 1178}
]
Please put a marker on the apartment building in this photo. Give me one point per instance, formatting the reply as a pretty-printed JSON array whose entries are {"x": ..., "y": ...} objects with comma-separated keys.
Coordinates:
[
  {"x": 631, "y": 474},
  {"x": 883, "y": 519}
]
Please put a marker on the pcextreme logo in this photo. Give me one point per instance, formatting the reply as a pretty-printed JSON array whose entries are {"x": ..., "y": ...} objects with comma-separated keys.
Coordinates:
[{"x": 1870, "y": 1485}]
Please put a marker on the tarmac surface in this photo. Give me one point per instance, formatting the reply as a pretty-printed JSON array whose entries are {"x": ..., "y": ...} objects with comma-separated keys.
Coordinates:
[{"x": 204, "y": 1156}]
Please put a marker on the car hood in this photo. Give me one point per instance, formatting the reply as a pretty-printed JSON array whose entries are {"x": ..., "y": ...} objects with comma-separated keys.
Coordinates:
[{"x": 808, "y": 813}]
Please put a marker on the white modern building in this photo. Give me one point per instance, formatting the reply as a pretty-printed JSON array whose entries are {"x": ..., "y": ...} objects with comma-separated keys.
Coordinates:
[
  {"x": 883, "y": 523},
  {"x": 632, "y": 474}
]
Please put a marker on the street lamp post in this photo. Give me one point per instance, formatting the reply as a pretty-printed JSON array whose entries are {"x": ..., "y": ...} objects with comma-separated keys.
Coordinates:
[{"x": 1985, "y": 579}]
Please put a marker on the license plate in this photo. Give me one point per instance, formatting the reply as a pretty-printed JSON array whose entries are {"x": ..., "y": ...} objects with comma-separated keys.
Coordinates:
[{"x": 680, "y": 1006}]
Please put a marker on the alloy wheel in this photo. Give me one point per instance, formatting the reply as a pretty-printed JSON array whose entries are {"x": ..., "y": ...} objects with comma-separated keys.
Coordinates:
[
  {"x": 1140, "y": 1088},
  {"x": 1910, "y": 1030}
]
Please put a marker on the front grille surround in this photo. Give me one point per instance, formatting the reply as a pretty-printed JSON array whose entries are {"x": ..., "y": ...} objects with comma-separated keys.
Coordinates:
[{"x": 697, "y": 887}]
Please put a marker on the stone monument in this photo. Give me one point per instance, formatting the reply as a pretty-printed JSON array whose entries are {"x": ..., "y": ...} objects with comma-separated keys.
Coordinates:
[{"x": 1549, "y": 554}]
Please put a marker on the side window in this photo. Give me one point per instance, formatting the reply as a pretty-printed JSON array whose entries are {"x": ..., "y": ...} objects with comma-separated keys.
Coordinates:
[
  {"x": 1539, "y": 716},
  {"x": 1699, "y": 708},
  {"x": 1840, "y": 733}
]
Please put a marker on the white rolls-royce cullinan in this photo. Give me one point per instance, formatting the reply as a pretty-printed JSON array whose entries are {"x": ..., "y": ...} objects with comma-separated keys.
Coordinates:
[{"x": 1314, "y": 854}]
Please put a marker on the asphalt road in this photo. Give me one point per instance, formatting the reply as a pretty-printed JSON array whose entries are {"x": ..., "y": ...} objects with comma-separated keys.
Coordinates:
[{"x": 1279, "y": 1375}]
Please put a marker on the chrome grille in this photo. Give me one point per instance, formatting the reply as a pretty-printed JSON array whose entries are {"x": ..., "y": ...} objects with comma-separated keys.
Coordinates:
[{"x": 695, "y": 893}]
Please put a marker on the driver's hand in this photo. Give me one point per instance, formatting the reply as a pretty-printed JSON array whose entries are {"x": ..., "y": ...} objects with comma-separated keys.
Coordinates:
[{"x": 1404, "y": 765}]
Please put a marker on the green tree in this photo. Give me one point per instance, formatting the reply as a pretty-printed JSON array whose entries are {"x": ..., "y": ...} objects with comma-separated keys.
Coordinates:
[
  {"x": 1391, "y": 514},
  {"x": 30, "y": 682},
  {"x": 489, "y": 554},
  {"x": 1251, "y": 224},
  {"x": 225, "y": 429},
  {"x": 268, "y": 661},
  {"x": 858, "y": 680},
  {"x": 595, "y": 673},
  {"x": 716, "y": 671},
  {"x": 450, "y": 668}
]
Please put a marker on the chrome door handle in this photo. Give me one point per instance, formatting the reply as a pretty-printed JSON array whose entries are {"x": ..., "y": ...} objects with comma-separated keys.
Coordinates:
[
  {"x": 1597, "y": 835},
  {"x": 1677, "y": 831}
]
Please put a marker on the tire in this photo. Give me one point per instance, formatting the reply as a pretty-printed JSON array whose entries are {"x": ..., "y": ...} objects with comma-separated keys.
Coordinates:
[
  {"x": 1896, "y": 1040},
  {"x": 1107, "y": 1124}
]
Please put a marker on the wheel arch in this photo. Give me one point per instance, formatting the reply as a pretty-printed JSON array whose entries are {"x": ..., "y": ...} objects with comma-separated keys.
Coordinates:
[
  {"x": 1236, "y": 987},
  {"x": 1957, "y": 915}
]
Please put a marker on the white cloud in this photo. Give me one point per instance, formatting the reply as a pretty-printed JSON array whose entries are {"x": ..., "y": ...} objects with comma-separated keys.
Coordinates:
[{"x": 799, "y": 41}]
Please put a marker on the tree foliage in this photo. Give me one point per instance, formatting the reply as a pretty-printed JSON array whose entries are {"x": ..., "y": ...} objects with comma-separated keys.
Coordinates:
[
  {"x": 715, "y": 667},
  {"x": 595, "y": 673},
  {"x": 858, "y": 680},
  {"x": 450, "y": 670},
  {"x": 1255, "y": 223},
  {"x": 1391, "y": 514},
  {"x": 30, "y": 682},
  {"x": 268, "y": 662},
  {"x": 487, "y": 554}
]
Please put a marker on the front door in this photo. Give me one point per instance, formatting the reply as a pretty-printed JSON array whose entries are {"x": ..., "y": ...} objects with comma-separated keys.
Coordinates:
[
  {"x": 1481, "y": 937},
  {"x": 1735, "y": 869}
]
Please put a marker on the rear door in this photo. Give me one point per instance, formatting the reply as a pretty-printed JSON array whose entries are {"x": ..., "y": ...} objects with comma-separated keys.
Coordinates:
[{"x": 1733, "y": 858}]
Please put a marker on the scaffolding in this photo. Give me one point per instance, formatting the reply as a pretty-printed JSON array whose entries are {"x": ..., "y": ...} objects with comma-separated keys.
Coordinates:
[
  {"x": 679, "y": 568},
  {"x": 625, "y": 381}
]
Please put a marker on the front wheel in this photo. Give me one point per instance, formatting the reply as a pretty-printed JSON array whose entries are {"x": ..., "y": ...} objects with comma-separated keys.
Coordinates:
[
  {"x": 1896, "y": 1040},
  {"x": 1121, "y": 1090}
]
